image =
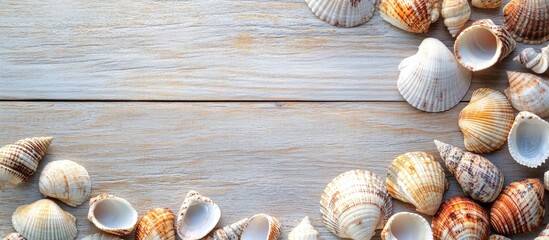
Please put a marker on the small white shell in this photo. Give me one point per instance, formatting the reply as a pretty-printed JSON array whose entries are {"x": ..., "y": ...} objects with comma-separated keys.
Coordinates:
[
  {"x": 343, "y": 13},
  {"x": 67, "y": 181},
  {"x": 230, "y": 232},
  {"x": 101, "y": 236},
  {"x": 112, "y": 214},
  {"x": 197, "y": 216},
  {"x": 405, "y": 225},
  {"x": 14, "y": 236},
  {"x": 304, "y": 231},
  {"x": 261, "y": 227},
  {"x": 455, "y": 13},
  {"x": 529, "y": 140},
  {"x": 537, "y": 62}
]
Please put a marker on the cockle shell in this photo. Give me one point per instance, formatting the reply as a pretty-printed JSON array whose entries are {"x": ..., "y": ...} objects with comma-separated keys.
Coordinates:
[
  {"x": 527, "y": 20},
  {"x": 44, "y": 220},
  {"x": 461, "y": 218},
  {"x": 528, "y": 92},
  {"x": 19, "y": 161},
  {"x": 529, "y": 140},
  {"x": 431, "y": 80},
  {"x": 355, "y": 204},
  {"x": 197, "y": 216},
  {"x": 14, "y": 236},
  {"x": 156, "y": 224},
  {"x": 482, "y": 45},
  {"x": 343, "y": 13},
  {"x": 405, "y": 225},
  {"x": 101, "y": 236},
  {"x": 498, "y": 237},
  {"x": 537, "y": 62},
  {"x": 112, "y": 214},
  {"x": 411, "y": 16},
  {"x": 230, "y": 232},
  {"x": 304, "y": 231},
  {"x": 417, "y": 178},
  {"x": 519, "y": 208},
  {"x": 261, "y": 227},
  {"x": 455, "y": 13},
  {"x": 486, "y": 3},
  {"x": 67, "y": 181},
  {"x": 486, "y": 121},
  {"x": 543, "y": 235},
  {"x": 477, "y": 176}
]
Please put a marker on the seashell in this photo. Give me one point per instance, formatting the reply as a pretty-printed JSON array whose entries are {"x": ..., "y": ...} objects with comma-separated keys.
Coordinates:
[
  {"x": 197, "y": 216},
  {"x": 261, "y": 227},
  {"x": 343, "y": 13},
  {"x": 519, "y": 208},
  {"x": 528, "y": 92},
  {"x": 231, "y": 232},
  {"x": 543, "y": 235},
  {"x": 477, "y": 176},
  {"x": 482, "y": 45},
  {"x": 546, "y": 180},
  {"x": 431, "y": 80},
  {"x": 460, "y": 218},
  {"x": 417, "y": 178},
  {"x": 101, "y": 236},
  {"x": 529, "y": 140},
  {"x": 112, "y": 214},
  {"x": 486, "y": 3},
  {"x": 44, "y": 220},
  {"x": 411, "y": 16},
  {"x": 15, "y": 236},
  {"x": 355, "y": 204},
  {"x": 405, "y": 225},
  {"x": 498, "y": 237},
  {"x": 67, "y": 181},
  {"x": 455, "y": 13},
  {"x": 156, "y": 224},
  {"x": 19, "y": 161},
  {"x": 537, "y": 62},
  {"x": 304, "y": 231},
  {"x": 527, "y": 20},
  {"x": 486, "y": 121}
]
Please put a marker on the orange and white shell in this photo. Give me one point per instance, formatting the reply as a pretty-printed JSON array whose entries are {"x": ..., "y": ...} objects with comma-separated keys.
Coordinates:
[
  {"x": 527, "y": 20},
  {"x": 261, "y": 226},
  {"x": 158, "y": 223},
  {"x": 412, "y": 16},
  {"x": 528, "y": 92},
  {"x": 461, "y": 218}
]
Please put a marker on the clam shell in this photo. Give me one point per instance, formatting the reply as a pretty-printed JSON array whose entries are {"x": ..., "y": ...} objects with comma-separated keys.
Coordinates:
[
  {"x": 405, "y": 225},
  {"x": 529, "y": 140},
  {"x": 261, "y": 227},
  {"x": 355, "y": 204},
  {"x": 101, "y": 236},
  {"x": 486, "y": 121},
  {"x": 412, "y": 16},
  {"x": 527, "y": 20},
  {"x": 304, "y": 231},
  {"x": 15, "y": 236},
  {"x": 455, "y": 13},
  {"x": 19, "y": 161},
  {"x": 519, "y": 208},
  {"x": 498, "y": 237},
  {"x": 482, "y": 45},
  {"x": 460, "y": 218},
  {"x": 231, "y": 232},
  {"x": 44, "y": 220},
  {"x": 112, "y": 214},
  {"x": 477, "y": 176},
  {"x": 528, "y": 92},
  {"x": 543, "y": 235},
  {"x": 343, "y": 13},
  {"x": 537, "y": 62},
  {"x": 417, "y": 178},
  {"x": 197, "y": 216},
  {"x": 156, "y": 224},
  {"x": 486, "y": 3},
  {"x": 67, "y": 181},
  {"x": 432, "y": 80}
]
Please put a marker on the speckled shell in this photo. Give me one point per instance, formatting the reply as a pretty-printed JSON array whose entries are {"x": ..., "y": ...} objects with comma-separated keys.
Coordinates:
[
  {"x": 101, "y": 236},
  {"x": 537, "y": 62},
  {"x": 120, "y": 210},
  {"x": 407, "y": 226},
  {"x": 156, "y": 224},
  {"x": 486, "y": 3},
  {"x": 498, "y": 237},
  {"x": 528, "y": 92},
  {"x": 417, "y": 178},
  {"x": 66, "y": 181},
  {"x": 431, "y": 80},
  {"x": 19, "y": 161},
  {"x": 455, "y": 13},
  {"x": 14, "y": 236},
  {"x": 528, "y": 140},
  {"x": 256, "y": 225},
  {"x": 208, "y": 222},
  {"x": 461, "y": 218},
  {"x": 355, "y": 204},
  {"x": 527, "y": 20},
  {"x": 230, "y": 232},
  {"x": 519, "y": 208},
  {"x": 543, "y": 235},
  {"x": 44, "y": 220},
  {"x": 477, "y": 176},
  {"x": 343, "y": 13},
  {"x": 304, "y": 231},
  {"x": 486, "y": 121},
  {"x": 412, "y": 16}
]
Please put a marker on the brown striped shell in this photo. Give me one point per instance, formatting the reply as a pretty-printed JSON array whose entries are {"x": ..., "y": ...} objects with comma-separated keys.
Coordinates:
[
  {"x": 14, "y": 236},
  {"x": 197, "y": 216},
  {"x": 455, "y": 13},
  {"x": 537, "y": 62},
  {"x": 230, "y": 232},
  {"x": 528, "y": 92},
  {"x": 66, "y": 181},
  {"x": 44, "y": 220},
  {"x": 543, "y": 235},
  {"x": 527, "y": 20},
  {"x": 461, "y": 218},
  {"x": 261, "y": 226},
  {"x": 343, "y": 13},
  {"x": 498, "y": 237},
  {"x": 412, "y": 16},
  {"x": 158, "y": 223},
  {"x": 112, "y": 214},
  {"x": 519, "y": 208}
]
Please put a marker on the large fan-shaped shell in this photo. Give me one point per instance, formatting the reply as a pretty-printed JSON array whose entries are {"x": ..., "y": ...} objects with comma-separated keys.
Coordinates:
[
  {"x": 261, "y": 227},
  {"x": 537, "y": 62},
  {"x": 461, "y": 218},
  {"x": 405, "y": 225},
  {"x": 455, "y": 13},
  {"x": 112, "y": 214},
  {"x": 412, "y": 16},
  {"x": 101, "y": 236},
  {"x": 529, "y": 140},
  {"x": 543, "y": 235},
  {"x": 519, "y": 208},
  {"x": 528, "y": 20},
  {"x": 197, "y": 216},
  {"x": 67, "y": 181},
  {"x": 528, "y": 92},
  {"x": 355, "y": 204},
  {"x": 230, "y": 232},
  {"x": 156, "y": 224},
  {"x": 44, "y": 220},
  {"x": 486, "y": 3},
  {"x": 14, "y": 236},
  {"x": 304, "y": 231},
  {"x": 432, "y": 80},
  {"x": 343, "y": 13}
]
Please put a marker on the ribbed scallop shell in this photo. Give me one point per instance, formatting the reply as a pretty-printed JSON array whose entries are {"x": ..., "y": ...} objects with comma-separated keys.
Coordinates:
[
  {"x": 528, "y": 92},
  {"x": 455, "y": 13},
  {"x": 477, "y": 176},
  {"x": 543, "y": 235},
  {"x": 67, "y": 181},
  {"x": 519, "y": 208},
  {"x": 461, "y": 218},
  {"x": 343, "y": 13},
  {"x": 537, "y": 62},
  {"x": 304, "y": 231},
  {"x": 261, "y": 226},
  {"x": 44, "y": 220},
  {"x": 14, "y": 236},
  {"x": 486, "y": 3},
  {"x": 412, "y": 16},
  {"x": 498, "y": 237},
  {"x": 158, "y": 223},
  {"x": 528, "y": 20},
  {"x": 112, "y": 214},
  {"x": 486, "y": 121},
  {"x": 431, "y": 80},
  {"x": 529, "y": 140},
  {"x": 355, "y": 204},
  {"x": 19, "y": 161},
  {"x": 230, "y": 232},
  {"x": 405, "y": 225},
  {"x": 417, "y": 178},
  {"x": 101, "y": 236},
  {"x": 197, "y": 216}
]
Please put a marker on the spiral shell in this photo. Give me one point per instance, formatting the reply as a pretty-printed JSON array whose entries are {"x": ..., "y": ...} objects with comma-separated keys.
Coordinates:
[
  {"x": 486, "y": 3},
  {"x": 101, "y": 236},
  {"x": 230, "y": 232},
  {"x": 460, "y": 218},
  {"x": 527, "y": 20},
  {"x": 304, "y": 231},
  {"x": 44, "y": 220},
  {"x": 67, "y": 181},
  {"x": 498, "y": 237},
  {"x": 543, "y": 235},
  {"x": 411, "y": 16},
  {"x": 537, "y": 62},
  {"x": 405, "y": 225},
  {"x": 261, "y": 226},
  {"x": 528, "y": 92},
  {"x": 112, "y": 214},
  {"x": 156, "y": 224},
  {"x": 197, "y": 216},
  {"x": 529, "y": 140},
  {"x": 455, "y": 13},
  {"x": 14, "y": 236},
  {"x": 343, "y": 13}
]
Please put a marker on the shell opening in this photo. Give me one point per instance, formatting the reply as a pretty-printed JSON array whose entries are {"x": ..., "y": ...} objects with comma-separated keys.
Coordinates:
[
  {"x": 200, "y": 218},
  {"x": 257, "y": 229},
  {"x": 114, "y": 214},
  {"x": 478, "y": 48},
  {"x": 407, "y": 228},
  {"x": 531, "y": 139}
]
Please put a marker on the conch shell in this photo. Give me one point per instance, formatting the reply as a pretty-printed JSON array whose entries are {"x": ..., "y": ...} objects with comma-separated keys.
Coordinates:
[
  {"x": 455, "y": 13},
  {"x": 461, "y": 218},
  {"x": 543, "y": 235},
  {"x": 486, "y": 3},
  {"x": 431, "y": 80},
  {"x": 527, "y": 20},
  {"x": 537, "y": 62},
  {"x": 112, "y": 214},
  {"x": 44, "y": 220},
  {"x": 498, "y": 237},
  {"x": 231, "y": 232},
  {"x": 304, "y": 231},
  {"x": 197, "y": 216},
  {"x": 529, "y": 140},
  {"x": 528, "y": 92},
  {"x": 411, "y": 16},
  {"x": 67, "y": 181},
  {"x": 101, "y": 236},
  {"x": 156, "y": 224},
  {"x": 261, "y": 226},
  {"x": 343, "y": 13},
  {"x": 355, "y": 204},
  {"x": 14, "y": 236},
  {"x": 405, "y": 225}
]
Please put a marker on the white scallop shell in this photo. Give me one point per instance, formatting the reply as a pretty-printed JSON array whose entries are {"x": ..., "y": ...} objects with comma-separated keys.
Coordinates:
[
  {"x": 197, "y": 216},
  {"x": 405, "y": 225},
  {"x": 304, "y": 231},
  {"x": 261, "y": 227},
  {"x": 343, "y": 13},
  {"x": 44, "y": 220},
  {"x": 112, "y": 214},
  {"x": 67, "y": 181},
  {"x": 529, "y": 140}
]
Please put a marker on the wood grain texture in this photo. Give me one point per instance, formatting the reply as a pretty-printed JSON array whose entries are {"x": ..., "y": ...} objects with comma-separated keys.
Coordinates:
[{"x": 248, "y": 157}]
